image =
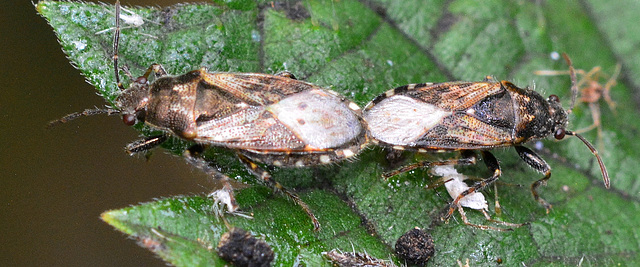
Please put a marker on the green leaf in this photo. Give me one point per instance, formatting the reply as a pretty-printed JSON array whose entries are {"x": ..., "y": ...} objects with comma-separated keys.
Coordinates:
[
  {"x": 361, "y": 49},
  {"x": 190, "y": 231}
]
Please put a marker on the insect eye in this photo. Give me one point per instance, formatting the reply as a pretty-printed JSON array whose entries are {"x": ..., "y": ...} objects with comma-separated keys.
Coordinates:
[
  {"x": 129, "y": 119},
  {"x": 559, "y": 134},
  {"x": 554, "y": 98}
]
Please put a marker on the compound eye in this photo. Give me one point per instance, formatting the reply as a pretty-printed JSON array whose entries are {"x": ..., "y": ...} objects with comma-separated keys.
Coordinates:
[
  {"x": 129, "y": 119},
  {"x": 559, "y": 134},
  {"x": 554, "y": 98}
]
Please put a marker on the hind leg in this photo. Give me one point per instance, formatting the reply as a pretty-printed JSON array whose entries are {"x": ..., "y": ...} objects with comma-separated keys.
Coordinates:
[
  {"x": 222, "y": 196},
  {"x": 268, "y": 180}
]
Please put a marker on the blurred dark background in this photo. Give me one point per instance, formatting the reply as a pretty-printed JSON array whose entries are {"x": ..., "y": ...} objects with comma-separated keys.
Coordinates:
[{"x": 56, "y": 183}]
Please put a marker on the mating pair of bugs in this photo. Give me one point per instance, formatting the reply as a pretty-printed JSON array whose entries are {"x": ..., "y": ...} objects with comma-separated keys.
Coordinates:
[{"x": 281, "y": 121}]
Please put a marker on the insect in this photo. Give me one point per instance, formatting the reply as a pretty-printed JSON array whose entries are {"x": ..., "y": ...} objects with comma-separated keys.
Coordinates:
[
  {"x": 455, "y": 185},
  {"x": 470, "y": 117},
  {"x": 591, "y": 91},
  {"x": 273, "y": 119},
  {"x": 132, "y": 19}
]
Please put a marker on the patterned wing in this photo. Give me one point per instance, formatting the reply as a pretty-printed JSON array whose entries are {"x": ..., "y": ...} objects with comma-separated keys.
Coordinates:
[
  {"x": 256, "y": 88},
  {"x": 446, "y": 116},
  {"x": 301, "y": 120},
  {"x": 453, "y": 96}
]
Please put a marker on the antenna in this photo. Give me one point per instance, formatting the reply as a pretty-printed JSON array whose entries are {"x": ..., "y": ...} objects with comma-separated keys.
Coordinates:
[
  {"x": 85, "y": 113},
  {"x": 574, "y": 82},
  {"x": 603, "y": 169},
  {"x": 116, "y": 41}
]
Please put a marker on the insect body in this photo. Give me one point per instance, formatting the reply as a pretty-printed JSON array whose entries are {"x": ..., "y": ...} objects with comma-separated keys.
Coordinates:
[
  {"x": 274, "y": 119},
  {"x": 468, "y": 117},
  {"x": 258, "y": 113}
]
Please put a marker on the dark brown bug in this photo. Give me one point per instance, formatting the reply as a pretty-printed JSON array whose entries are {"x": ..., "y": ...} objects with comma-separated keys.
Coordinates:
[
  {"x": 469, "y": 117},
  {"x": 273, "y": 119}
]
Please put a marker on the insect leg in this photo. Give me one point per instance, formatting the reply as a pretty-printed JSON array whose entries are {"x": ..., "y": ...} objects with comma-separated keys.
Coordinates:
[
  {"x": 465, "y": 220},
  {"x": 287, "y": 75},
  {"x": 607, "y": 87},
  {"x": 595, "y": 114},
  {"x": 224, "y": 195},
  {"x": 494, "y": 167},
  {"x": 157, "y": 69},
  {"x": 514, "y": 225},
  {"x": 468, "y": 158},
  {"x": 456, "y": 185},
  {"x": 538, "y": 164},
  {"x": 143, "y": 145},
  {"x": 266, "y": 177},
  {"x": 489, "y": 78},
  {"x": 497, "y": 206}
]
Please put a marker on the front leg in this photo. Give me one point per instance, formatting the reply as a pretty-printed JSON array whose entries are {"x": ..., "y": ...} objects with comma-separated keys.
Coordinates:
[
  {"x": 146, "y": 144},
  {"x": 538, "y": 164}
]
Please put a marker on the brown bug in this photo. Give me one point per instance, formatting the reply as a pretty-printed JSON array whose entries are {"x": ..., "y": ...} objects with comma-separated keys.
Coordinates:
[
  {"x": 591, "y": 91},
  {"x": 470, "y": 117},
  {"x": 273, "y": 119}
]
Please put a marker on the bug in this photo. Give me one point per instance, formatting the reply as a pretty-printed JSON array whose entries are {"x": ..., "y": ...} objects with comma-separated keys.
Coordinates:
[
  {"x": 471, "y": 117},
  {"x": 273, "y": 119},
  {"x": 591, "y": 91}
]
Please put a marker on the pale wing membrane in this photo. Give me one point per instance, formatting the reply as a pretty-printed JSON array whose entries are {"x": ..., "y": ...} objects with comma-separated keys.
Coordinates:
[
  {"x": 401, "y": 120},
  {"x": 312, "y": 114}
]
